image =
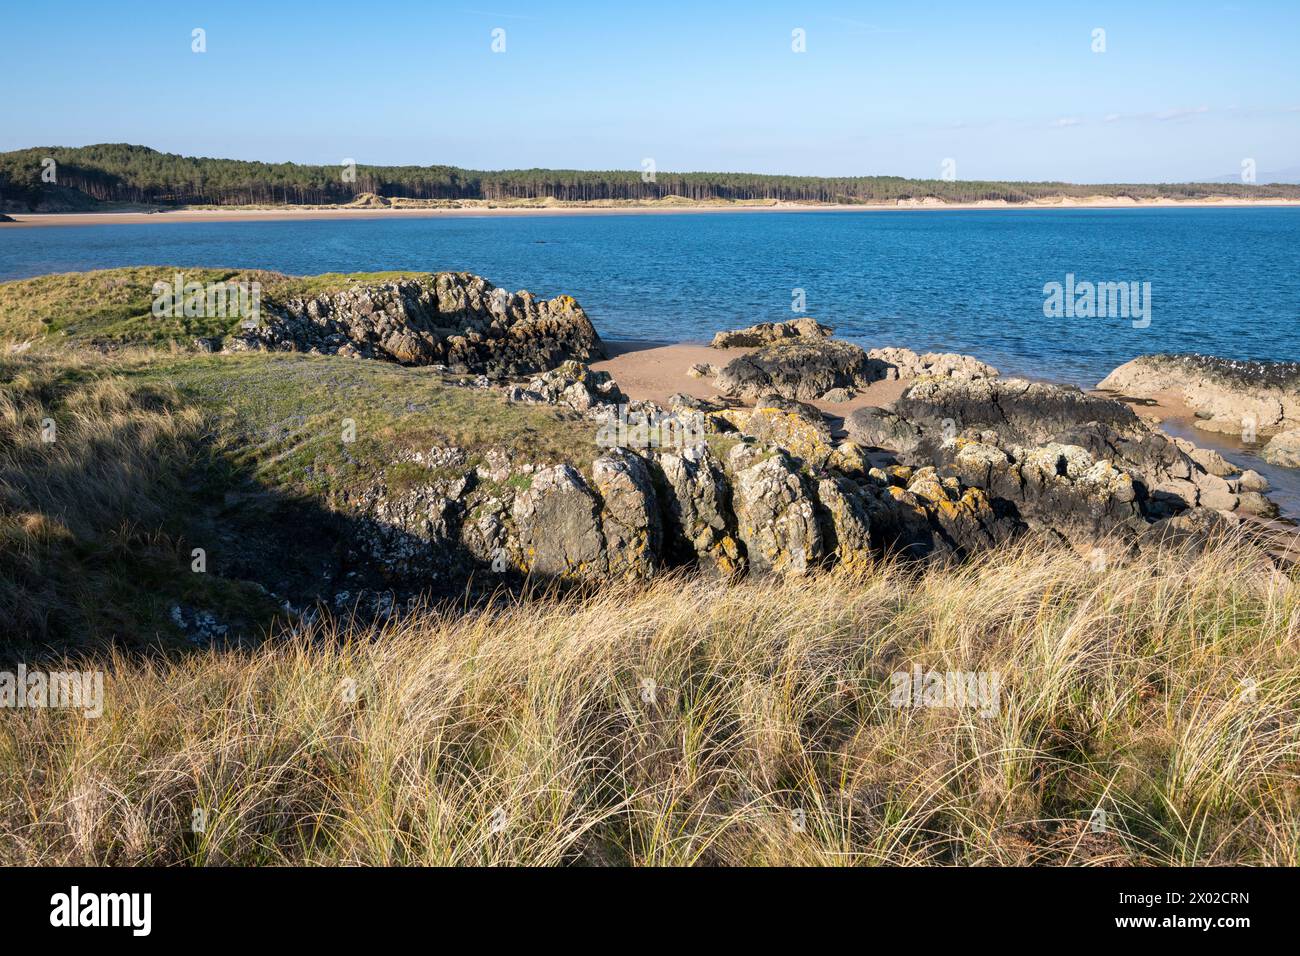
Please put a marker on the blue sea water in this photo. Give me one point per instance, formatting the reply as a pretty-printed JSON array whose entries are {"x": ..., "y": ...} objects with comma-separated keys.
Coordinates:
[{"x": 1223, "y": 281}]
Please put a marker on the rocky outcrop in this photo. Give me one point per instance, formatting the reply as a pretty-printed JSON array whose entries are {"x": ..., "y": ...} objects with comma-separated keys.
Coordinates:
[
  {"x": 453, "y": 319},
  {"x": 1016, "y": 409},
  {"x": 797, "y": 427},
  {"x": 1227, "y": 396},
  {"x": 799, "y": 360},
  {"x": 1058, "y": 488},
  {"x": 904, "y": 363},
  {"x": 767, "y": 491},
  {"x": 767, "y": 333},
  {"x": 799, "y": 369},
  {"x": 1077, "y": 465}
]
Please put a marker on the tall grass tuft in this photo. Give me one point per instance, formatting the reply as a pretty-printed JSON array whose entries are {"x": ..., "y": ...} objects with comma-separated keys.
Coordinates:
[{"x": 1147, "y": 713}]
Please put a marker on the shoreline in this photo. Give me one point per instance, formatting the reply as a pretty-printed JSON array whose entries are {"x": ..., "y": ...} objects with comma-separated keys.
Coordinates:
[
  {"x": 653, "y": 370},
  {"x": 290, "y": 214}
]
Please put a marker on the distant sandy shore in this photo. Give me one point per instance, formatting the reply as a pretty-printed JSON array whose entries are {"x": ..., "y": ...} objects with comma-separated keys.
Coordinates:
[{"x": 283, "y": 214}]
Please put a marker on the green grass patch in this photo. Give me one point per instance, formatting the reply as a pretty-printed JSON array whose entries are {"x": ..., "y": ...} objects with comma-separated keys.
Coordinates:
[
  {"x": 322, "y": 424},
  {"x": 115, "y": 306}
]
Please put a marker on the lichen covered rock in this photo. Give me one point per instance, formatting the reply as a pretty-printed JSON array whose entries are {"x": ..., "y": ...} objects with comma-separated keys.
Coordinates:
[
  {"x": 776, "y": 518},
  {"x": 454, "y": 319}
]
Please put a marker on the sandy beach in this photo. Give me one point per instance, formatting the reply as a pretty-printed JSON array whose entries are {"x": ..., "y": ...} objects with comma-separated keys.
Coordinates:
[
  {"x": 662, "y": 208},
  {"x": 655, "y": 371}
]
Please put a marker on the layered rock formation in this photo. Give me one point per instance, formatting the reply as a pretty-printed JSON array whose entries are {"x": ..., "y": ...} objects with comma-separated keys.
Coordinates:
[
  {"x": 768, "y": 490},
  {"x": 453, "y": 319},
  {"x": 980, "y": 460}
]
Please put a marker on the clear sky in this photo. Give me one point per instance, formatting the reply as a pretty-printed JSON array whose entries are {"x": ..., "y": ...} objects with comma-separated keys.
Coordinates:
[{"x": 1011, "y": 90}]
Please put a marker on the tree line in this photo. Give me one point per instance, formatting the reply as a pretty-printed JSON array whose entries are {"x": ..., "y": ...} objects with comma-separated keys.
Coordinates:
[{"x": 122, "y": 173}]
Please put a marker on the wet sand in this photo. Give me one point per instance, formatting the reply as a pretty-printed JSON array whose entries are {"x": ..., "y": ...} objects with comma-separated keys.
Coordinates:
[{"x": 280, "y": 214}]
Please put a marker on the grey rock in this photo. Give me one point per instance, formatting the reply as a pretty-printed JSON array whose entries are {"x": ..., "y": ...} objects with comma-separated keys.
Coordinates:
[
  {"x": 454, "y": 319},
  {"x": 630, "y": 514},
  {"x": 775, "y": 513},
  {"x": 845, "y": 517},
  {"x": 797, "y": 427},
  {"x": 701, "y": 524},
  {"x": 801, "y": 369},
  {"x": 766, "y": 333},
  {"x": 875, "y": 427},
  {"x": 559, "y": 527},
  {"x": 838, "y": 395},
  {"x": 1224, "y": 393},
  {"x": 1283, "y": 449},
  {"x": 1252, "y": 481},
  {"x": 904, "y": 363},
  {"x": 1253, "y": 503}
]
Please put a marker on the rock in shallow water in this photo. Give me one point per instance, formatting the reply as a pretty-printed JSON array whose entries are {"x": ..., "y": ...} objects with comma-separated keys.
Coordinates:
[{"x": 1283, "y": 449}]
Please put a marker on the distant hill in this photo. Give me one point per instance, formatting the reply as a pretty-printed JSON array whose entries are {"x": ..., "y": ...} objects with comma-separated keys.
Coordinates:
[{"x": 121, "y": 173}]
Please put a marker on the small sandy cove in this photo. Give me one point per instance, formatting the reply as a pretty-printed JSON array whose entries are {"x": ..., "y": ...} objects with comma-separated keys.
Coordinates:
[
  {"x": 275, "y": 214},
  {"x": 652, "y": 372},
  {"x": 655, "y": 371}
]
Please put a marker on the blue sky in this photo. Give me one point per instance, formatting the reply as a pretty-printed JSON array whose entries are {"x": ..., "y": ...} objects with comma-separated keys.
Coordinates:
[{"x": 1007, "y": 90}]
